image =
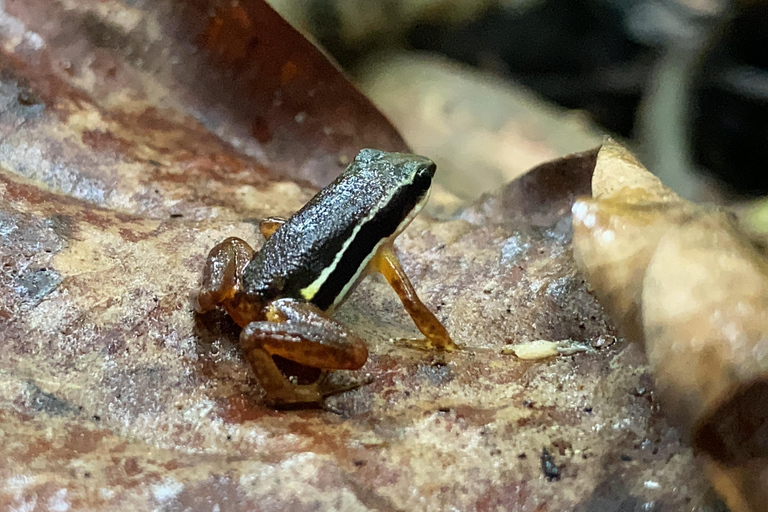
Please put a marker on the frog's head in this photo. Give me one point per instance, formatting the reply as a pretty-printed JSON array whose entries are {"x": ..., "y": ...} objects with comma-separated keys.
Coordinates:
[
  {"x": 404, "y": 179},
  {"x": 403, "y": 174}
]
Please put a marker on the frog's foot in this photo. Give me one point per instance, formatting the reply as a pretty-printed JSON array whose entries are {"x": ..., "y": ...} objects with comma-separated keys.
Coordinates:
[
  {"x": 424, "y": 344},
  {"x": 300, "y": 335},
  {"x": 223, "y": 267},
  {"x": 328, "y": 388},
  {"x": 435, "y": 336},
  {"x": 268, "y": 226},
  {"x": 333, "y": 386}
]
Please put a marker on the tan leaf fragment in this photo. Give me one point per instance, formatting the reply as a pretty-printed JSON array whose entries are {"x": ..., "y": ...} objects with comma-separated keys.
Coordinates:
[{"x": 686, "y": 281}]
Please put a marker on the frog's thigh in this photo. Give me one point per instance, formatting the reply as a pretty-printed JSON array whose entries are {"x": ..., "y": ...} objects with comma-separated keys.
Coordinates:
[
  {"x": 385, "y": 261},
  {"x": 269, "y": 225},
  {"x": 300, "y": 332},
  {"x": 223, "y": 267}
]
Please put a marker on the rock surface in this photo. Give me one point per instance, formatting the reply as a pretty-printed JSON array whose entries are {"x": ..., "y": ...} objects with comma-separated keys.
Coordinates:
[
  {"x": 121, "y": 165},
  {"x": 114, "y": 394}
]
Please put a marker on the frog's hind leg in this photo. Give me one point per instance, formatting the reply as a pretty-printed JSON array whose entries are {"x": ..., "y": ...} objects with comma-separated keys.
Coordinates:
[
  {"x": 223, "y": 267},
  {"x": 435, "y": 336},
  {"x": 303, "y": 334},
  {"x": 269, "y": 225}
]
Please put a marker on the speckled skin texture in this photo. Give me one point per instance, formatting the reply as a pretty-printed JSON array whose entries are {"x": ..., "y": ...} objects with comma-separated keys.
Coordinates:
[{"x": 377, "y": 192}]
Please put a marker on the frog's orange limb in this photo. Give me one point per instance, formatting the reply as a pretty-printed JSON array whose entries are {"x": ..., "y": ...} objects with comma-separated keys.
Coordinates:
[
  {"x": 269, "y": 225},
  {"x": 279, "y": 390},
  {"x": 301, "y": 333},
  {"x": 223, "y": 268},
  {"x": 436, "y": 337}
]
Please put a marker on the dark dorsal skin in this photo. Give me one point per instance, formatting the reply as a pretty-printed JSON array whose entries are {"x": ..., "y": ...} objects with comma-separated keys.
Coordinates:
[{"x": 330, "y": 240}]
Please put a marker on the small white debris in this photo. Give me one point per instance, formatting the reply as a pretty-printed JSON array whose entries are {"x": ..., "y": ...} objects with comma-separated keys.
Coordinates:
[
  {"x": 542, "y": 349},
  {"x": 570, "y": 347},
  {"x": 539, "y": 349},
  {"x": 650, "y": 484}
]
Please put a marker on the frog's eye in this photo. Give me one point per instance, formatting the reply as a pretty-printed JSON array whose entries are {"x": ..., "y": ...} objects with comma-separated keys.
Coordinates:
[{"x": 430, "y": 169}]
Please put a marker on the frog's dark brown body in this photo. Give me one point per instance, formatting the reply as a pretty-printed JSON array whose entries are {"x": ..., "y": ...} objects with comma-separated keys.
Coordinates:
[
  {"x": 339, "y": 229},
  {"x": 308, "y": 265}
]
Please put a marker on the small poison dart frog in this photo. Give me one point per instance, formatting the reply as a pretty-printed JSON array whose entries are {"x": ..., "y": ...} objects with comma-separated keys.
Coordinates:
[{"x": 283, "y": 295}]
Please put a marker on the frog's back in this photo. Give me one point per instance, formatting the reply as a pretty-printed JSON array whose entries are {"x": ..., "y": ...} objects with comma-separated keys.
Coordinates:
[{"x": 319, "y": 253}]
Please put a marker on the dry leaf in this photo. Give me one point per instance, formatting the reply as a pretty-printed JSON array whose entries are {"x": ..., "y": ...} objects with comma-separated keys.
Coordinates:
[
  {"x": 193, "y": 109},
  {"x": 133, "y": 139},
  {"x": 683, "y": 279}
]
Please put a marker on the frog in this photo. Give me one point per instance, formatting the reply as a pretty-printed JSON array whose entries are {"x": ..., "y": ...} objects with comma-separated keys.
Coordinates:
[{"x": 284, "y": 295}]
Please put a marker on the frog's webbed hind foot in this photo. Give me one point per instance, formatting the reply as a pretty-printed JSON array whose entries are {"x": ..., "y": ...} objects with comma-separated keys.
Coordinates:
[
  {"x": 330, "y": 384},
  {"x": 302, "y": 335},
  {"x": 223, "y": 267}
]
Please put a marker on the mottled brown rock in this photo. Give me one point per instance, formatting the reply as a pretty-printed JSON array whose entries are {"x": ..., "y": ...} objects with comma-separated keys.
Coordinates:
[{"x": 108, "y": 373}]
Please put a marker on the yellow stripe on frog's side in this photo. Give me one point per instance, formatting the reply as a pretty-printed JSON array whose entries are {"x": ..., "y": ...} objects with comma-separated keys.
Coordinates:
[
  {"x": 311, "y": 290},
  {"x": 352, "y": 282}
]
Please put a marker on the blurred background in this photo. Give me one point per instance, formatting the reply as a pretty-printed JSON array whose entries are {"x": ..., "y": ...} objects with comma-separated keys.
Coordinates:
[{"x": 490, "y": 88}]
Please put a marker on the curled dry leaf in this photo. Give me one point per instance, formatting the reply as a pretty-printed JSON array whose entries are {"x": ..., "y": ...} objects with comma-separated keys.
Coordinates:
[
  {"x": 616, "y": 232},
  {"x": 683, "y": 279}
]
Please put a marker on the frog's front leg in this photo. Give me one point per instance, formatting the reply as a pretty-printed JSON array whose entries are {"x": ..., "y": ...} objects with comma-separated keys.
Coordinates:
[
  {"x": 435, "y": 336},
  {"x": 269, "y": 225},
  {"x": 303, "y": 334},
  {"x": 221, "y": 276}
]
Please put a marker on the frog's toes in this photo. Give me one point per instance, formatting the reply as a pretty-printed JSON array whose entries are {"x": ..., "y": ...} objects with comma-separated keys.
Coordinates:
[{"x": 335, "y": 383}]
